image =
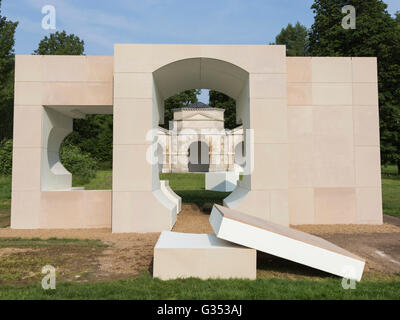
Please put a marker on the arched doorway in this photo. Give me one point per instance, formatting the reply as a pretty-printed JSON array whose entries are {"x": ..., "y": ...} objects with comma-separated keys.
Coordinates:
[{"x": 199, "y": 157}]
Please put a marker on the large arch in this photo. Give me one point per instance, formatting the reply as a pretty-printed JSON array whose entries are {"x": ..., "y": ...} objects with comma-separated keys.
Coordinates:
[
  {"x": 199, "y": 157},
  {"x": 253, "y": 75}
]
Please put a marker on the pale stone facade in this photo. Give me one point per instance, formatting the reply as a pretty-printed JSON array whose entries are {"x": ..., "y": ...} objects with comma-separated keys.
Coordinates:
[
  {"x": 198, "y": 142},
  {"x": 311, "y": 131}
]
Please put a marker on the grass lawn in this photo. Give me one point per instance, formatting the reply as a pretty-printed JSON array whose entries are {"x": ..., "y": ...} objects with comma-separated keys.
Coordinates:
[
  {"x": 26, "y": 258},
  {"x": 5, "y": 201},
  {"x": 391, "y": 191},
  {"x": 79, "y": 257},
  {"x": 145, "y": 287},
  {"x": 189, "y": 186}
]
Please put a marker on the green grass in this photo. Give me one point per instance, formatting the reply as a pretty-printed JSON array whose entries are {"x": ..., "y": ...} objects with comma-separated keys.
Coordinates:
[
  {"x": 391, "y": 197},
  {"x": 390, "y": 170},
  {"x": 102, "y": 181},
  {"x": 51, "y": 242},
  {"x": 26, "y": 258},
  {"x": 191, "y": 188},
  {"x": 144, "y": 287}
]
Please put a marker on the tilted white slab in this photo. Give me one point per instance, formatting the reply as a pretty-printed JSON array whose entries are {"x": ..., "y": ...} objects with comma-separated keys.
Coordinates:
[
  {"x": 285, "y": 242},
  {"x": 184, "y": 255}
]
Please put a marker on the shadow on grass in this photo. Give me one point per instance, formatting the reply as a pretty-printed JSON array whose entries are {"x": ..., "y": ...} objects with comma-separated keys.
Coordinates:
[{"x": 269, "y": 265}]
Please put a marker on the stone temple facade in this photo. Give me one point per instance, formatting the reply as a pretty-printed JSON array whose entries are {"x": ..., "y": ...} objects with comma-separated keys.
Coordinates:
[{"x": 198, "y": 142}]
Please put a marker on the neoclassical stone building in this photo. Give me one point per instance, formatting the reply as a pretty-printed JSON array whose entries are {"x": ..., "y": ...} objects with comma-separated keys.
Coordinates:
[{"x": 198, "y": 142}]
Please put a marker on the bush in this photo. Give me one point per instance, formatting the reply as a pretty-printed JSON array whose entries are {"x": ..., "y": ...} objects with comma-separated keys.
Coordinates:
[
  {"x": 6, "y": 147},
  {"x": 79, "y": 163}
]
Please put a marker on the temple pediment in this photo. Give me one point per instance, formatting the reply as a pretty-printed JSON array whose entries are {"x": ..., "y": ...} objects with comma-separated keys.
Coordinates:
[{"x": 199, "y": 117}]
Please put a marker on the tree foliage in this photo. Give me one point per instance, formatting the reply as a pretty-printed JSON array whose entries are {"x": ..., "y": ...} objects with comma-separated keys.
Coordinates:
[
  {"x": 222, "y": 101},
  {"x": 6, "y": 149},
  {"x": 94, "y": 135},
  {"x": 377, "y": 34},
  {"x": 7, "y": 33},
  {"x": 61, "y": 43},
  {"x": 78, "y": 163},
  {"x": 295, "y": 38}
]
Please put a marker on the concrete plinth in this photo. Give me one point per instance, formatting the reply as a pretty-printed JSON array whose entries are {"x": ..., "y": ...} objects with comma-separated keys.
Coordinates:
[{"x": 182, "y": 255}]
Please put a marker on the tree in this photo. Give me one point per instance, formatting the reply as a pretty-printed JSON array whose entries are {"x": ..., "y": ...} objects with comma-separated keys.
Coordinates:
[
  {"x": 220, "y": 100},
  {"x": 377, "y": 34},
  {"x": 7, "y": 33},
  {"x": 177, "y": 101},
  {"x": 295, "y": 38},
  {"x": 61, "y": 43}
]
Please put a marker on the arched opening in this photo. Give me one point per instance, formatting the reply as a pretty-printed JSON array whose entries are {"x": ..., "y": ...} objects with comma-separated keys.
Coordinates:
[
  {"x": 199, "y": 157},
  {"x": 78, "y": 153},
  {"x": 193, "y": 151}
]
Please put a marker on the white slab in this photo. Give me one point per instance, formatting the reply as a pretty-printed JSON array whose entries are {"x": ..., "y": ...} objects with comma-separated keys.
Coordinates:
[
  {"x": 285, "y": 242},
  {"x": 184, "y": 255},
  {"x": 221, "y": 181}
]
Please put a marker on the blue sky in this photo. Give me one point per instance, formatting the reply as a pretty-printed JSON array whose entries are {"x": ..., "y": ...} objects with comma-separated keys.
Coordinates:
[{"x": 101, "y": 23}]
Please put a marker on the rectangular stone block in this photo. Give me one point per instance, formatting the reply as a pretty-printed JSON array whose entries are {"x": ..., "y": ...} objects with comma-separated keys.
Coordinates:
[
  {"x": 270, "y": 166},
  {"x": 333, "y": 121},
  {"x": 28, "y": 126},
  {"x": 279, "y": 207},
  {"x": 78, "y": 94},
  {"x": 368, "y": 167},
  {"x": 204, "y": 256},
  {"x": 26, "y": 169},
  {"x": 298, "y": 69},
  {"x": 335, "y": 205},
  {"x": 331, "y": 69},
  {"x": 25, "y": 210},
  {"x": 369, "y": 205},
  {"x": 299, "y": 94},
  {"x": 301, "y": 168},
  {"x": 131, "y": 169},
  {"x": 365, "y": 94},
  {"x": 301, "y": 206},
  {"x": 300, "y": 124},
  {"x": 28, "y": 68},
  {"x": 76, "y": 209},
  {"x": 366, "y": 126},
  {"x": 139, "y": 212},
  {"x": 269, "y": 120},
  {"x": 133, "y": 85},
  {"x": 365, "y": 69},
  {"x": 333, "y": 161},
  {"x": 267, "y": 86},
  {"x": 132, "y": 121},
  {"x": 28, "y": 94},
  {"x": 332, "y": 94}
]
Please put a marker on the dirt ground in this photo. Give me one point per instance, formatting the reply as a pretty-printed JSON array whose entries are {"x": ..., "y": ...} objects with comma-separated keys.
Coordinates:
[{"x": 128, "y": 255}]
